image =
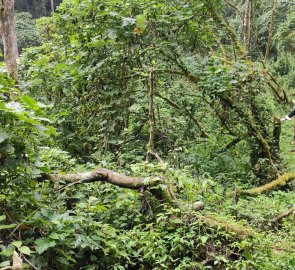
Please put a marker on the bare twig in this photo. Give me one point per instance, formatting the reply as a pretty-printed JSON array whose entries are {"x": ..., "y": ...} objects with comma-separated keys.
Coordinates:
[{"x": 31, "y": 264}]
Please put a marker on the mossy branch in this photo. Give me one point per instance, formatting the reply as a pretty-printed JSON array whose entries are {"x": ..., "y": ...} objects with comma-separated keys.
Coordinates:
[
  {"x": 216, "y": 222},
  {"x": 279, "y": 182}
]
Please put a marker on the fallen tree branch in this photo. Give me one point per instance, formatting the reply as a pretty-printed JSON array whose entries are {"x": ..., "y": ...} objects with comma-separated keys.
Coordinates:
[
  {"x": 279, "y": 182},
  {"x": 106, "y": 175},
  {"x": 287, "y": 213},
  {"x": 218, "y": 223},
  {"x": 154, "y": 184},
  {"x": 157, "y": 157}
]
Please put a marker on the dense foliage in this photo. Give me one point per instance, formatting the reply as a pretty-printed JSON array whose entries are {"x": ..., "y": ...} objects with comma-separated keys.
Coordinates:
[{"x": 176, "y": 89}]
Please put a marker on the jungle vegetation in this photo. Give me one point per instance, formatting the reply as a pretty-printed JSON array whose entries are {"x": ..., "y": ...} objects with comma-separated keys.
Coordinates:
[{"x": 147, "y": 134}]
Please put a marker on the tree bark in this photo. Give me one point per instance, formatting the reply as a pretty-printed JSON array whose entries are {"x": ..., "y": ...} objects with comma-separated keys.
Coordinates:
[
  {"x": 8, "y": 33},
  {"x": 247, "y": 24},
  {"x": 151, "y": 114},
  {"x": 270, "y": 30},
  {"x": 106, "y": 175},
  {"x": 52, "y": 5},
  {"x": 153, "y": 184}
]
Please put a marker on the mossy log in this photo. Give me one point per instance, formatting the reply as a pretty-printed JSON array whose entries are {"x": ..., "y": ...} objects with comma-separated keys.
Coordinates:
[
  {"x": 240, "y": 231},
  {"x": 279, "y": 182}
]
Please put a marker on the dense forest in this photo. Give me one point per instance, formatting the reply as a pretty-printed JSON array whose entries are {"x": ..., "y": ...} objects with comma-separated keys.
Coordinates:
[{"x": 146, "y": 135}]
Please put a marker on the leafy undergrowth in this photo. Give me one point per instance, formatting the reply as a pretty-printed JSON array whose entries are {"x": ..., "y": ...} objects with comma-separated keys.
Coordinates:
[{"x": 99, "y": 226}]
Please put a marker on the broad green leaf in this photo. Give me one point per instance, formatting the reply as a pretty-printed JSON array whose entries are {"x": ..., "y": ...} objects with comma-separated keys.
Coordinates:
[
  {"x": 7, "y": 252},
  {"x": 25, "y": 250},
  {"x": 204, "y": 239},
  {"x": 141, "y": 21},
  {"x": 43, "y": 244},
  {"x": 17, "y": 244},
  {"x": 54, "y": 236},
  {"x": 42, "y": 61},
  {"x": 3, "y": 136},
  {"x": 30, "y": 102}
]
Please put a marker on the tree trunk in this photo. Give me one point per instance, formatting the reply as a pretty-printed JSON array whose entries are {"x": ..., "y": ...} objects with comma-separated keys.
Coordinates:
[
  {"x": 247, "y": 24},
  {"x": 8, "y": 34},
  {"x": 52, "y": 5},
  {"x": 151, "y": 119},
  {"x": 270, "y": 30}
]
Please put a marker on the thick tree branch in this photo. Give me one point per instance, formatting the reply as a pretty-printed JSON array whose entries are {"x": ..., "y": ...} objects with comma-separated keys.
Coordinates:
[
  {"x": 106, "y": 175},
  {"x": 279, "y": 182}
]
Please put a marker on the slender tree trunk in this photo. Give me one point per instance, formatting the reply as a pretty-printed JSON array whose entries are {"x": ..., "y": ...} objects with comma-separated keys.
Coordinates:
[
  {"x": 52, "y": 5},
  {"x": 8, "y": 34},
  {"x": 151, "y": 120},
  {"x": 270, "y": 30},
  {"x": 247, "y": 24}
]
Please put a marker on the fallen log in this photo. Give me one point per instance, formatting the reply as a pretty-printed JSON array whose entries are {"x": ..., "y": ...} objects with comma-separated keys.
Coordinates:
[
  {"x": 106, "y": 175},
  {"x": 279, "y": 182},
  {"x": 216, "y": 222},
  {"x": 154, "y": 184}
]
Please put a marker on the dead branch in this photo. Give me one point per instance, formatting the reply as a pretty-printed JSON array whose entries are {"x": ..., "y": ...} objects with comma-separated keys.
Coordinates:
[{"x": 153, "y": 185}]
